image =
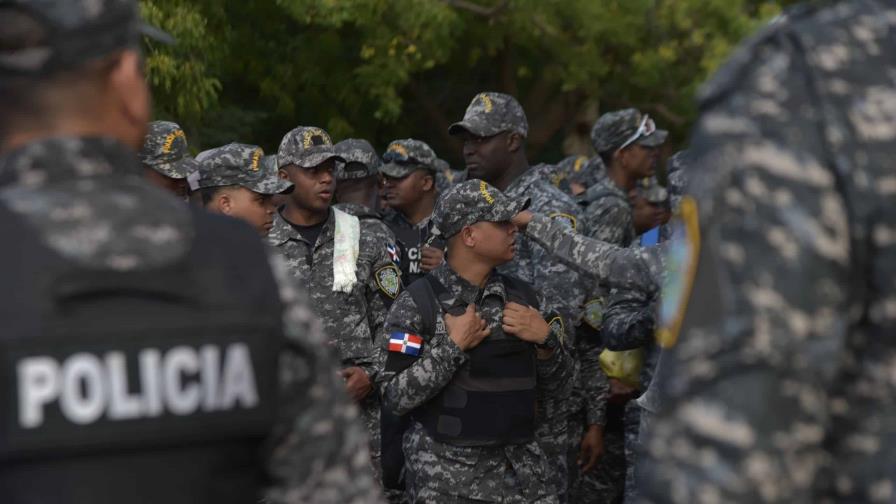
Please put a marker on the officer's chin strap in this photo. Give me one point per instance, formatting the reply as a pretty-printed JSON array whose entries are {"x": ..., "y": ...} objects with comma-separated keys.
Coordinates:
[{"x": 346, "y": 248}]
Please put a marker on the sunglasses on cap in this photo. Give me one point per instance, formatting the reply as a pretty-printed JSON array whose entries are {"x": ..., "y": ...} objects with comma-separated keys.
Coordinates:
[
  {"x": 398, "y": 157},
  {"x": 646, "y": 128}
]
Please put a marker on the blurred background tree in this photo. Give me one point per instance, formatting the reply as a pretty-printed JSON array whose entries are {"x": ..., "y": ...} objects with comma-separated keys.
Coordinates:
[{"x": 387, "y": 69}]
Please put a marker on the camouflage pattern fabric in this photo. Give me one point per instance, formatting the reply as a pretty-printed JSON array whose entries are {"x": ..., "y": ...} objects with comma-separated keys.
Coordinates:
[
  {"x": 402, "y": 157},
  {"x": 470, "y": 202},
  {"x": 440, "y": 472},
  {"x": 781, "y": 379},
  {"x": 613, "y": 129},
  {"x": 87, "y": 198},
  {"x": 165, "y": 150},
  {"x": 241, "y": 165},
  {"x": 607, "y": 213},
  {"x": 307, "y": 147},
  {"x": 359, "y": 160},
  {"x": 492, "y": 113},
  {"x": 350, "y": 319}
]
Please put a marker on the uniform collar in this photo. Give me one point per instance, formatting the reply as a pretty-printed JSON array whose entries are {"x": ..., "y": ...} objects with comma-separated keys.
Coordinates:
[
  {"x": 465, "y": 292},
  {"x": 520, "y": 187},
  {"x": 282, "y": 231},
  {"x": 61, "y": 158}
]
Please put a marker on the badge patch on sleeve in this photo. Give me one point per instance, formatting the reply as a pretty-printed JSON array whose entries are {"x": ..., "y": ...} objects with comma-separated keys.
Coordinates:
[
  {"x": 681, "y": 265},
  {"x": 557, "y": 327},
  {"x": 594, "y": 313},
  {"x": 405, "y": 343},
  {"x": 567, "y": 219},
  {"x": 388, "y": 279}
]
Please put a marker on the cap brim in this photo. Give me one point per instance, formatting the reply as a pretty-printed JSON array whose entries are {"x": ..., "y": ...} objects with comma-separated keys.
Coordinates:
[
  {"x": 655, "y": 139},
  {"x": 178, "y": 169},
  {"x": 395, "y": 170},
  {"x": 509, "y": 211},
  {"x": 273, "y": 185},
  {"x": 309, "y": 160},
  {"x": 157, "y": 34},
  {"x": 472, "y": 127}
]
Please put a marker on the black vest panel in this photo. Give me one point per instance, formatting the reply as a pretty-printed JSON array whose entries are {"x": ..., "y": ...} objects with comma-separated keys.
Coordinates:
[
  {"x": 491, "y": 400},
  {"x": 149, "y": 386}
]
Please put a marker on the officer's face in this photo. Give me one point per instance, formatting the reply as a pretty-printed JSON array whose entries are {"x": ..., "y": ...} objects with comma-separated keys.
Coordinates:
[
  {"x": 241, "y": 203},
  {"x": 639, "y": 161},
  {"x": 314, "y": 186},
  {"x": 487, "y": 158},
  {"x": 403, "y": 193},
  {"x": 494, "y": 241}
]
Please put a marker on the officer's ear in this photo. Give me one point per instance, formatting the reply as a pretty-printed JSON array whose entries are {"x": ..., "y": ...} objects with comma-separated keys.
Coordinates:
[
  {"x": 468, "y": 236},
  {"x": 514, "y": 142},
  {"x": 129, "y": 94},
  {"x": 429, "y": 182},
  {"x": 224, "y": 202}
]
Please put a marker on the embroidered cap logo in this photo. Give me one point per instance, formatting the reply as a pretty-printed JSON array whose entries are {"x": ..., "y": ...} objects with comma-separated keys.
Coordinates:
[
  {"x": 256, "y": 158},
  {"x": 313, "y": 137},
  {"x": 486, "y": 102},
  {"x": 169, "y": 140},
  {"x": 483, "y": 189}
]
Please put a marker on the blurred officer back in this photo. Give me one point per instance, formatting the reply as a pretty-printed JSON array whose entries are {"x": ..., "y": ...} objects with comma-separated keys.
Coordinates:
[
  {"x": 780, "y": 387},
  {"x": 141, "y": 337}
]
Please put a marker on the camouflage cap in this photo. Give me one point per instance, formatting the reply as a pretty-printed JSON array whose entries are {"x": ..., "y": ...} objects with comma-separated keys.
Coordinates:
[
  {"x": 470, "y": 202},
  {"x": 490, "y": 114},
  {"x": 75, "y": 32},
  {"x": 307, "y": 147},
  {"x": 165, "y": 150},
  {"x": 242, "y": 165},
  {"x": 360, "y": 159},
  {"x": 652, "y": 191},
  {"x": 613, "y": 129},
  {"x": 402, "y": 157}
]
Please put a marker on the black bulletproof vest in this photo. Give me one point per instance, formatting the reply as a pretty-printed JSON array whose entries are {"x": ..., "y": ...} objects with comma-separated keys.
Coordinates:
[
  {"x": 411, "y": 242},
  {"x": 491, "y": 399},
  {"x": 155, "y": 386}
]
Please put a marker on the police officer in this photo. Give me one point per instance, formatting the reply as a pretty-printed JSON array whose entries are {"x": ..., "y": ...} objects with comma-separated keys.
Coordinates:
[
  {"x": 166, "y": 157},
  {"x": 782, "y": 371},
  {"x": 468, "y": 354},
  {"x": 410, "y": 191},
  {"x": 346, "y": 268},
  {"x": 446, "y": 176},
  {"x": 232, "y": 180},
  {"x": 142, "y": 338},
  {"x": 627, "y": 142}
]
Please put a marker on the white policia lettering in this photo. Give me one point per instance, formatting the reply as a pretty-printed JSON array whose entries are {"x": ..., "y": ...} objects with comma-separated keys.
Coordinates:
[{"x": 180, "y": 381}]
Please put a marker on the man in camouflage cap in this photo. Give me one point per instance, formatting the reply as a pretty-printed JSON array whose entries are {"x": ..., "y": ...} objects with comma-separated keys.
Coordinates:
[
  {"x": 483, "y": 449},
  {"x": 167, "y": 158},
  {"x": 346, "y": 267},
  {"x": 409, "y": 189},
  {"x": 494, "y": 130},
  {"x": 233, "y": 180},
  {"x": 137, "y": 284},
  {"x": 782, "y": 375}
]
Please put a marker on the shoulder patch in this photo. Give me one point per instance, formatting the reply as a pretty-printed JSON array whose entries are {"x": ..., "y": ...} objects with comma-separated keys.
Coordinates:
[
  {"x": 594, "y": 313},
  {"x": 566, "y": 218},
  {"x": 681, "y": 265},
  {"x": 394, "y": 254},
  {"x": 388, "y": 279}
]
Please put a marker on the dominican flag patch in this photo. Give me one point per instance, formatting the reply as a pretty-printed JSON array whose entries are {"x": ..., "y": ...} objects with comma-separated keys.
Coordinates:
[
  {"x": 405, "y": 343},
  {"x": 393, "y": 253}
]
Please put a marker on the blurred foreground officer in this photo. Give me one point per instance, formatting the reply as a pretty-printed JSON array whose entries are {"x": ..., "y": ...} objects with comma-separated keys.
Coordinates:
[
  {"x": 233, "y": 180},
  {"x": 143, "y": 340},
  {"x": 782, "y": 377},
  {"x": 471, "y": 359},
  {"x": 166, "y": 157}
]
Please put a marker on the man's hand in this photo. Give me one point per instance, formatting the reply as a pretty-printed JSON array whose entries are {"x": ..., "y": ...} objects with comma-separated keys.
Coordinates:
[
  {"x": 621, "y": 393},
  {"x": 357, "y": 383},
  {"x": 522, "y": 219},
  {"x": 525, "y": 323},
  {"x": 431, "y": 258},
  {"x": 467, "y": 330},
  {"x": 592, "y": 448}
]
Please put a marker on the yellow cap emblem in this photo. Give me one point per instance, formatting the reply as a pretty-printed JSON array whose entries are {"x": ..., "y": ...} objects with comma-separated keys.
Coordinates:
[
  {"x": 170, "y": 138},
  {"x": 486, "y": 102},
  {"x": 483, "y": 189}
]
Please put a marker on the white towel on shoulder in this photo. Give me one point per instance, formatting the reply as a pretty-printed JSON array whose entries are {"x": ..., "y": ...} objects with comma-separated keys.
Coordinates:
[{"x": 346, "y": 248}]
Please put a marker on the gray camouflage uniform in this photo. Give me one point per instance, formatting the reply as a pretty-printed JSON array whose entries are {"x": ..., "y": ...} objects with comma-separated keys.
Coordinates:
[
  {"x": 350, "y": 319},
  {"x": 780, "y": 387},
  {"x": 237, "y": 164},
  {"x": 562, "y": 288},
  {"x": 165, "y": 150},
  {"x": 442, "y": 472}
]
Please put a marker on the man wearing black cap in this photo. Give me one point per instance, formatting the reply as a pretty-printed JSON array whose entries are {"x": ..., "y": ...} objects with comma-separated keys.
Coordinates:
[
  {"x": 347, "y": 269},
  {"x": 494, "y": 130},
  {"x": 473, "y": 362},
  {"x": 409, "y": 188},
  {"x": 142, "y": 338}
]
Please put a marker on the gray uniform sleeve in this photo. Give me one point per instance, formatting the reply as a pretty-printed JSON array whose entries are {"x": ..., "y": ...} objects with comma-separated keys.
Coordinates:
[
  {"x": 629, "y": 320},
  {"x": 320, "y": 451},
  {"x": 633, "y": 268}
]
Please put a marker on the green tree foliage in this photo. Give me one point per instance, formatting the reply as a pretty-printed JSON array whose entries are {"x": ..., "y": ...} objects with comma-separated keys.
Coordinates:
[{"x": 385, "y": 69}]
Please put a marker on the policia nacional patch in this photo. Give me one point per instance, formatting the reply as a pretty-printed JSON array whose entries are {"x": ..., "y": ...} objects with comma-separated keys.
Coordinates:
[
  {"x": 565, "y": 218},
  {"x": 681, "y": 265},
  {"x": 388, "y": 279}
]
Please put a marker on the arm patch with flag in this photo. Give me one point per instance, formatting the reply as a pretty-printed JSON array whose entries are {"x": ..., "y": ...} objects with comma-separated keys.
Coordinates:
[{"x": 405, "y": 343}]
